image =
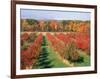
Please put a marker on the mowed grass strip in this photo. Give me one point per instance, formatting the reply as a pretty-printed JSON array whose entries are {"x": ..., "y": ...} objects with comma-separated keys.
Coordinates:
[{"x": 56, "y": 61}]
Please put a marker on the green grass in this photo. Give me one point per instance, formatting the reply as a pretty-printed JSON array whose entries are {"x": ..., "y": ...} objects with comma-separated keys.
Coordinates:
[{"x": 55, "y": 60}]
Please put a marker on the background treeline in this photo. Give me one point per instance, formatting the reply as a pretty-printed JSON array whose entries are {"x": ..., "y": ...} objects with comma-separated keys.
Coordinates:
[{"x": 33, "y": 25}]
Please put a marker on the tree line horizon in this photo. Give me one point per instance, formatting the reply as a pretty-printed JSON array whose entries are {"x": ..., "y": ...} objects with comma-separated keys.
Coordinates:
[{"x": 53, "y": 25}]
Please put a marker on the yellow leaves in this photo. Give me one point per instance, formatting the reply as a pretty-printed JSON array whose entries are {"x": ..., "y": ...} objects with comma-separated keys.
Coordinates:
[{"x": 79, "y": 27}]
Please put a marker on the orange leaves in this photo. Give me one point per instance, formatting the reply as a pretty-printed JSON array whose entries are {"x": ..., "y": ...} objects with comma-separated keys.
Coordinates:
[{"x": 79, "y": 27}]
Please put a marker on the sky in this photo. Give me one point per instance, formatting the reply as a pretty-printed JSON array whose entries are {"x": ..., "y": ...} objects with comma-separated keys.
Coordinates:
[{"x": 53, "y": 15}]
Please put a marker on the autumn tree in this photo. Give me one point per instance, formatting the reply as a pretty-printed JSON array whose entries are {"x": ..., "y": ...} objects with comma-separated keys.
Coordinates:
[
  {"x": 72, "y": 53},
  {"x": 24, "y": 25},
  {"x": 54, "y": 25},
  {"x": 41, "y": 24},
  {"x": 84, "y": 27}
]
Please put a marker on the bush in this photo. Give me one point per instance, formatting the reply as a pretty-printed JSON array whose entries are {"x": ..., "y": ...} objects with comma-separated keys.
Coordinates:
[
  {"x": 71, "y": 52},
  {"x": 32, "y": 37}
]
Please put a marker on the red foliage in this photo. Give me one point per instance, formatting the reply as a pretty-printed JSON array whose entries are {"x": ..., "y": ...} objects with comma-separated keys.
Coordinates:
[
  {"x": 29, "y": 56},
  {"x": 56, "y": 44},
  {"x": 65, "y": 38},
  {"x": 82, "y": 40},
  {"x": 59, "y": 42},
  {"x": 24, "y": 36}
]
